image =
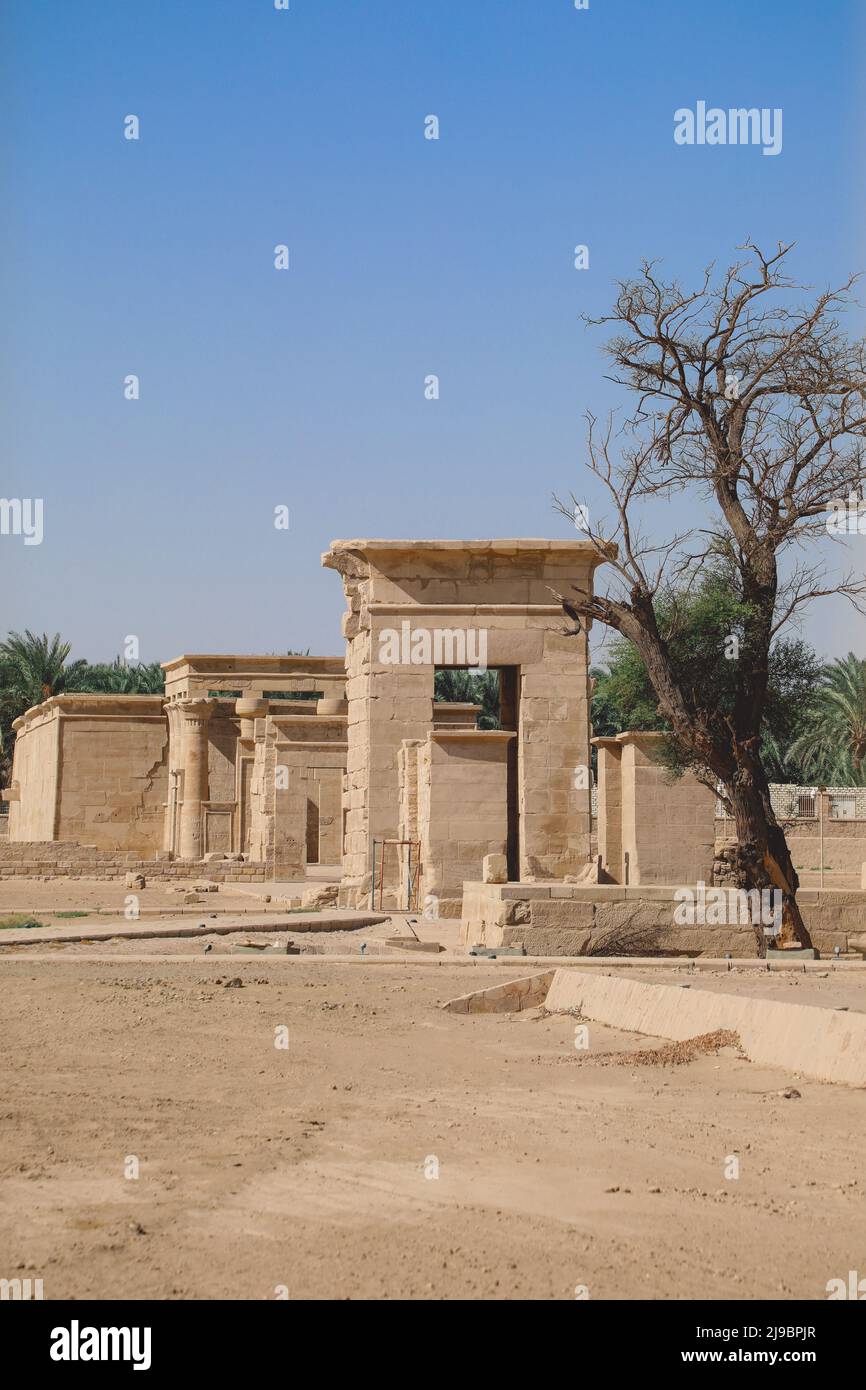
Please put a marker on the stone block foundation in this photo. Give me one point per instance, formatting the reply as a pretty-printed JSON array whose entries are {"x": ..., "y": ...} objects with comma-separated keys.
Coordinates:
[{"x": 576, "y": 920}]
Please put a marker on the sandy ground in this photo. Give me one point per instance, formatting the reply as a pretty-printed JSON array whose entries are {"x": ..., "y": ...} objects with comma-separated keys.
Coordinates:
[{"x": 306, "y": 1167}]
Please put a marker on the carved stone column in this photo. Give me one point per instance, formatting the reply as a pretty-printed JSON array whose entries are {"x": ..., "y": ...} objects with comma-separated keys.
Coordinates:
[
  {"x": 175, "y": 765},
  {"x": 194, "y": 751}
]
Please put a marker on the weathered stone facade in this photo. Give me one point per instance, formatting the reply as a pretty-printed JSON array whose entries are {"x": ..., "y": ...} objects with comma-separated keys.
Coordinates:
[
  {"x": 243, "y": 757},
  {"x": 93, "y": 769},
  {"x": 611, "y": 920},
  {"x": 445, "y": 600},
  {"x": 263, "y": 765},
  {"x": 288, "y": 761},
  {"x": 652, "y": 829}
]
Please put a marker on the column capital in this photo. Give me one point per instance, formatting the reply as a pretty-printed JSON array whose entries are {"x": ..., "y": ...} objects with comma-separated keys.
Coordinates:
[
  {"x": 251, "y": 707},
  {"x": 196, "y": 711}
]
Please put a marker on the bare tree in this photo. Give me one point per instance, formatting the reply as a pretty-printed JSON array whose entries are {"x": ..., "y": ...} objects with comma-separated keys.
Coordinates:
[{"x": 759, "y": 406}]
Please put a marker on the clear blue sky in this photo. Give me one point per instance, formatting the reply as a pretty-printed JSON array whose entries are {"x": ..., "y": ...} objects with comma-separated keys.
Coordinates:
[{"x": 408, "y": 257}]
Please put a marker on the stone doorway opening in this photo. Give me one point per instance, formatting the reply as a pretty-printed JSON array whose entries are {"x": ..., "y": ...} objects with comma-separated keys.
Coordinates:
[{"x": 488, "y": 699}]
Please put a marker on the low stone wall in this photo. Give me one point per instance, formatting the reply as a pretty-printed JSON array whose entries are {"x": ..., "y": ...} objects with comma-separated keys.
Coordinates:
[
  {"x": 64, "y": 859},
  {"x": 844, "y": 845},
  {"x": 824, "y": 1043},
  {"x": 576, "y": 920}
]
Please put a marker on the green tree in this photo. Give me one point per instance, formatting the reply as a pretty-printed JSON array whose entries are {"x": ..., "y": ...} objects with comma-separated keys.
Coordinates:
[
  {"x": 32, "y": 669},
  {"x": 456, "y": 685},
  {"x": 699, "y": 624},
  {"x": 832, "y": 745},
  {"x": 116, "y": 678}
]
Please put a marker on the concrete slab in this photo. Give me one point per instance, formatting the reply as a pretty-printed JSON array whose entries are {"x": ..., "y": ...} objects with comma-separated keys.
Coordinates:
[
  {"x": 408, "y": 943},
  {"x": 330, "y": 921},
  {"x": 825, "y": 1043}
]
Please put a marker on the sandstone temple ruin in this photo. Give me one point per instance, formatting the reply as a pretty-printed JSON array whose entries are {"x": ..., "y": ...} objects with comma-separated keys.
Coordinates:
[
  {"x": 262, "y": 766},
  {"x": 289, "y": 761}
]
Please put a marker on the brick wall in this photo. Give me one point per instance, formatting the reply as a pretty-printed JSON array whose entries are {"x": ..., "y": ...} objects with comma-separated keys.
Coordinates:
[{"x": 60, "y": 859}]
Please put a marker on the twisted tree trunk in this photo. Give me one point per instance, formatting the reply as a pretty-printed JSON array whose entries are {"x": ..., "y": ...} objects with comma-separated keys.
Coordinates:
[{"x": 763, "y": 860}]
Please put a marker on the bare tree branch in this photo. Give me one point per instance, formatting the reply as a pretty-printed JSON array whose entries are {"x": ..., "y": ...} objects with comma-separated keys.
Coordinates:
[{"x": 757, "y": 403}]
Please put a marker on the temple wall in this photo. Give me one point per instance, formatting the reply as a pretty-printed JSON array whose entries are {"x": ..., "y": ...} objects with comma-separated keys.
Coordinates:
[
  {"x": 652, "y": 829},
  {"x": 34, "y": 775},
  {"x": 188, "y": 778},
  {"x": 93, "y": 768},
  {"x": 844, "y": 854},
  {"x": 195, "y": 677},
  {"x": 844, "y": 851},
  {"x": 222, "y": 756}
]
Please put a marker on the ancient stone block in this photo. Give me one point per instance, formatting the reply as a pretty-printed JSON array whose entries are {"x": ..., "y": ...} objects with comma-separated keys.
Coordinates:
[{"x": 494, "y": 868}]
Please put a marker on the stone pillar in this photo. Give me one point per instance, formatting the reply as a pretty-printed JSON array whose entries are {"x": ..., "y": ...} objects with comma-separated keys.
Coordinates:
[
  {"x": 553, "y": 745},
  {"x": 194, "y": 749},
  {"x": 175, "y": 764},
  {"x": 668, "y": 825},
  {"x": 610, "y": 806}
]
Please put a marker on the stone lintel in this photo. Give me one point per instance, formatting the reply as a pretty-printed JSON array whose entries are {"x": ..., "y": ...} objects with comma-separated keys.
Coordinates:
[
  {"x": 313, "y": 745},
  {"x": 478, "y": 610},
  {"x": 452, "y": 735},
  {"x": 517, "y": 545},
  {"x": 313, "y": 721},
  {"x": 212, "y": 664}
]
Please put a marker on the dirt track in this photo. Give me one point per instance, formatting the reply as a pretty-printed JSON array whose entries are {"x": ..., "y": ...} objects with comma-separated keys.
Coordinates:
[{"x": 304, "y": 1167}]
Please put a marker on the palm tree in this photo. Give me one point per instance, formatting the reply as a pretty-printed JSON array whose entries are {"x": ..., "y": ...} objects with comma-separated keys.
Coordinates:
[
  {"x": 832, "y": 745},
  {"x": 454, "y": 684},
  {"x": 32, "y": 668},
  {"x": 116, "y": 678}
]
